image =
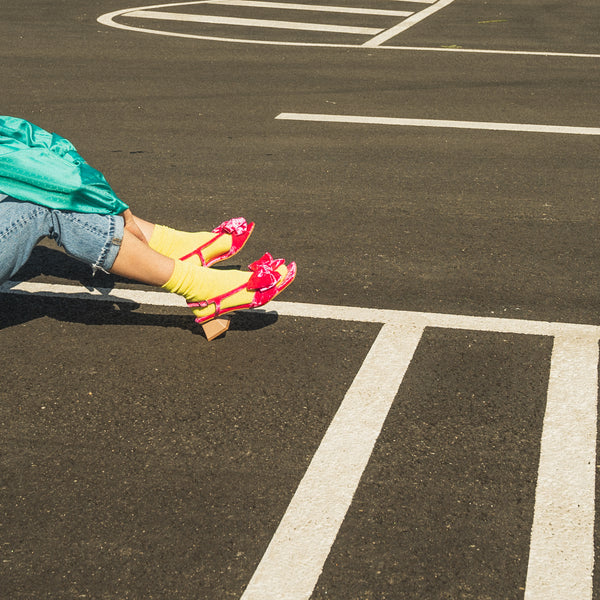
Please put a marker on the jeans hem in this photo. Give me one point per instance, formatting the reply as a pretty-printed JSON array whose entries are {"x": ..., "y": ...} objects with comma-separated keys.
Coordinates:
[{"x": 112, "y": 246}]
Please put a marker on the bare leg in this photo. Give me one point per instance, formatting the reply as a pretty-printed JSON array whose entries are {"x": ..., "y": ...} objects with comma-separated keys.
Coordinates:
[
  {"x": 145, "y": 226},
  {"x": 210, "y": 291},
  {"x": 138, "y": 261}
]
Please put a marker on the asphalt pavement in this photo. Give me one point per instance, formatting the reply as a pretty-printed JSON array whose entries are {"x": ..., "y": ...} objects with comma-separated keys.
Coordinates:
[{"x": 139, "y": 461}]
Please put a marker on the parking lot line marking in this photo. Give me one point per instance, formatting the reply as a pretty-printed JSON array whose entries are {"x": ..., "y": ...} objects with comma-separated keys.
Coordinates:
[
  {"x": 562, "y": 546},
  {"x": 108, "y": 19},
  {"x": 496, "y": 52},
  {"x": 311, "y": 7},
  {"x": 314, "y": 311},
  {"x": 406, "y": 24},
  {"x": 561, "y": 557},
  {"x": 524, "y": 127},
  {"x": 167, "y": 16},
  {"x": 295, "y": 557}
]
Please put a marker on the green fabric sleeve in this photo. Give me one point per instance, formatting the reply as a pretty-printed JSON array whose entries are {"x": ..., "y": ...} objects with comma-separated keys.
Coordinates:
[{"x": 45, "y": 168}]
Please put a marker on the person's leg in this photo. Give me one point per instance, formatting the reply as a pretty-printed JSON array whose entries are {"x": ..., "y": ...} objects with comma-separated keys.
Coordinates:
[
  {"x": 94, "y": 239},
  {"x": 139, "y": 262},
  {"x": 91, "y": 238},
  {"x": 197, "y": 284},
  {"x": 146, "y": 227},
  {"x": 22, "y": 226},
  {"x": 102, "y": 242}
]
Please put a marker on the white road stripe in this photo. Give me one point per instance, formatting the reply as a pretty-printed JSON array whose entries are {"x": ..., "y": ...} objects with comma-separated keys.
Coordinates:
[
  {"x": 561, "y": 556},
  {"x": 295, "y": 557},
  {"x": 311, "y": 7},
  {"x": 565, "y": 129},
  {"x": 314, "y": 311},
  {"x": 496, "y": 52},
  {"x": 168, "y": 16},
  {"x": 406, "y": 24}
]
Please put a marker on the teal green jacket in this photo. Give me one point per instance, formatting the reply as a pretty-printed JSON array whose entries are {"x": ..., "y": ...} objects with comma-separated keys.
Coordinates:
[{"x": 44, "y": 168}]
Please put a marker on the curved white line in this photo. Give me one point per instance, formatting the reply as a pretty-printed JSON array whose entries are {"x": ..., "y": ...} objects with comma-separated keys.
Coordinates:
[{"x": 108, "y": 20}]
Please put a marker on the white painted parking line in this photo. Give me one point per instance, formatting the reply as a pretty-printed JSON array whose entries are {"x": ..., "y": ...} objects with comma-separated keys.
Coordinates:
[
  {"x": 168, "y": 16},
  {"x": 561, "y": 557},
  {"x": 524, "y": 127},
  {"x": 562, "y": 540},
  {"x": 314, "y": 311},
  {"x": 495, "y": 52},
  {"x": 406, "y": 24},
  {"x": 295, "y": 557},
  {"x": 311, "y": 7},
  {"x": 110, "y": 20}
]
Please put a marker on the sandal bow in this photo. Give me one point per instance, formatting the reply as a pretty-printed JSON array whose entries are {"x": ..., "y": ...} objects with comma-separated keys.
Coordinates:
[
  {"x": 239, "y": 230},
  {"x": 264, "y": 273},
  {"x": 237, "y": 226},
  {"x": 265, "y": 283}
]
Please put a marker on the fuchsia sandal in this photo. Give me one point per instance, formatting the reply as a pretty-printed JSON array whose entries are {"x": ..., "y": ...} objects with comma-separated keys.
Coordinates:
[
  {"x": 240, "y": 231},
  {"x": 265, "y": 281}
]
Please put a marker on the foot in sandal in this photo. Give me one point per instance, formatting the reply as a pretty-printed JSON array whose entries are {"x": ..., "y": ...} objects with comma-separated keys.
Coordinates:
[
  {"x": 202, "y": 248},
  {"x": 212, "y": 292}
]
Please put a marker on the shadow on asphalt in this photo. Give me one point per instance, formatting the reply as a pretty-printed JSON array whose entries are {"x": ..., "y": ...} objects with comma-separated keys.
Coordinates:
[{"x": 16, "y": 309}]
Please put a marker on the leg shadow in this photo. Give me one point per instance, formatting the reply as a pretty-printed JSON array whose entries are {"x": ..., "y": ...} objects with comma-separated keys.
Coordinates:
[{"x": 18, "y": 308}]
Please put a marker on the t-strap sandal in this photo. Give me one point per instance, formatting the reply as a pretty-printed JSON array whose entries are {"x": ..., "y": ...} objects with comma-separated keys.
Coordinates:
[{"x": 266, "y": 283}]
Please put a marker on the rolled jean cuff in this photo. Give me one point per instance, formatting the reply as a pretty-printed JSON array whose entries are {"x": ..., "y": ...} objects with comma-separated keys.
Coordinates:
[{"x": 112, "y": 244}]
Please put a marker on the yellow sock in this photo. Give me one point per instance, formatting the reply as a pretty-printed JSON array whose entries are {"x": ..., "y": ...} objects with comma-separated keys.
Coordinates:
[
  {"x": 197, "y": 284},
  {"x": 176, "y": 244}
]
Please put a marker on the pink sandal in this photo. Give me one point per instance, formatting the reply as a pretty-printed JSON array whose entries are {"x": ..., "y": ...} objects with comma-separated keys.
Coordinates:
[
  {"x": 240, "y": 231},
  {"x": 265, "y": 281}
]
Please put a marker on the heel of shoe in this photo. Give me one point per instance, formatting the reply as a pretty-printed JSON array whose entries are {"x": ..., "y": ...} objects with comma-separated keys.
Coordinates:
[{"x": 215, "y": 327}]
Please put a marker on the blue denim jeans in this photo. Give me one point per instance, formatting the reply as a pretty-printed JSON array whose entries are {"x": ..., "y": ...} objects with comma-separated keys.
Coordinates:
[{"x": 93, "y": 239}]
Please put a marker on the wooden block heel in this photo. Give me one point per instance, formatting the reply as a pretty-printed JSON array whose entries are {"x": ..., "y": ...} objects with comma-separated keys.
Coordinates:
[{"x": 216, "y": 327}]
